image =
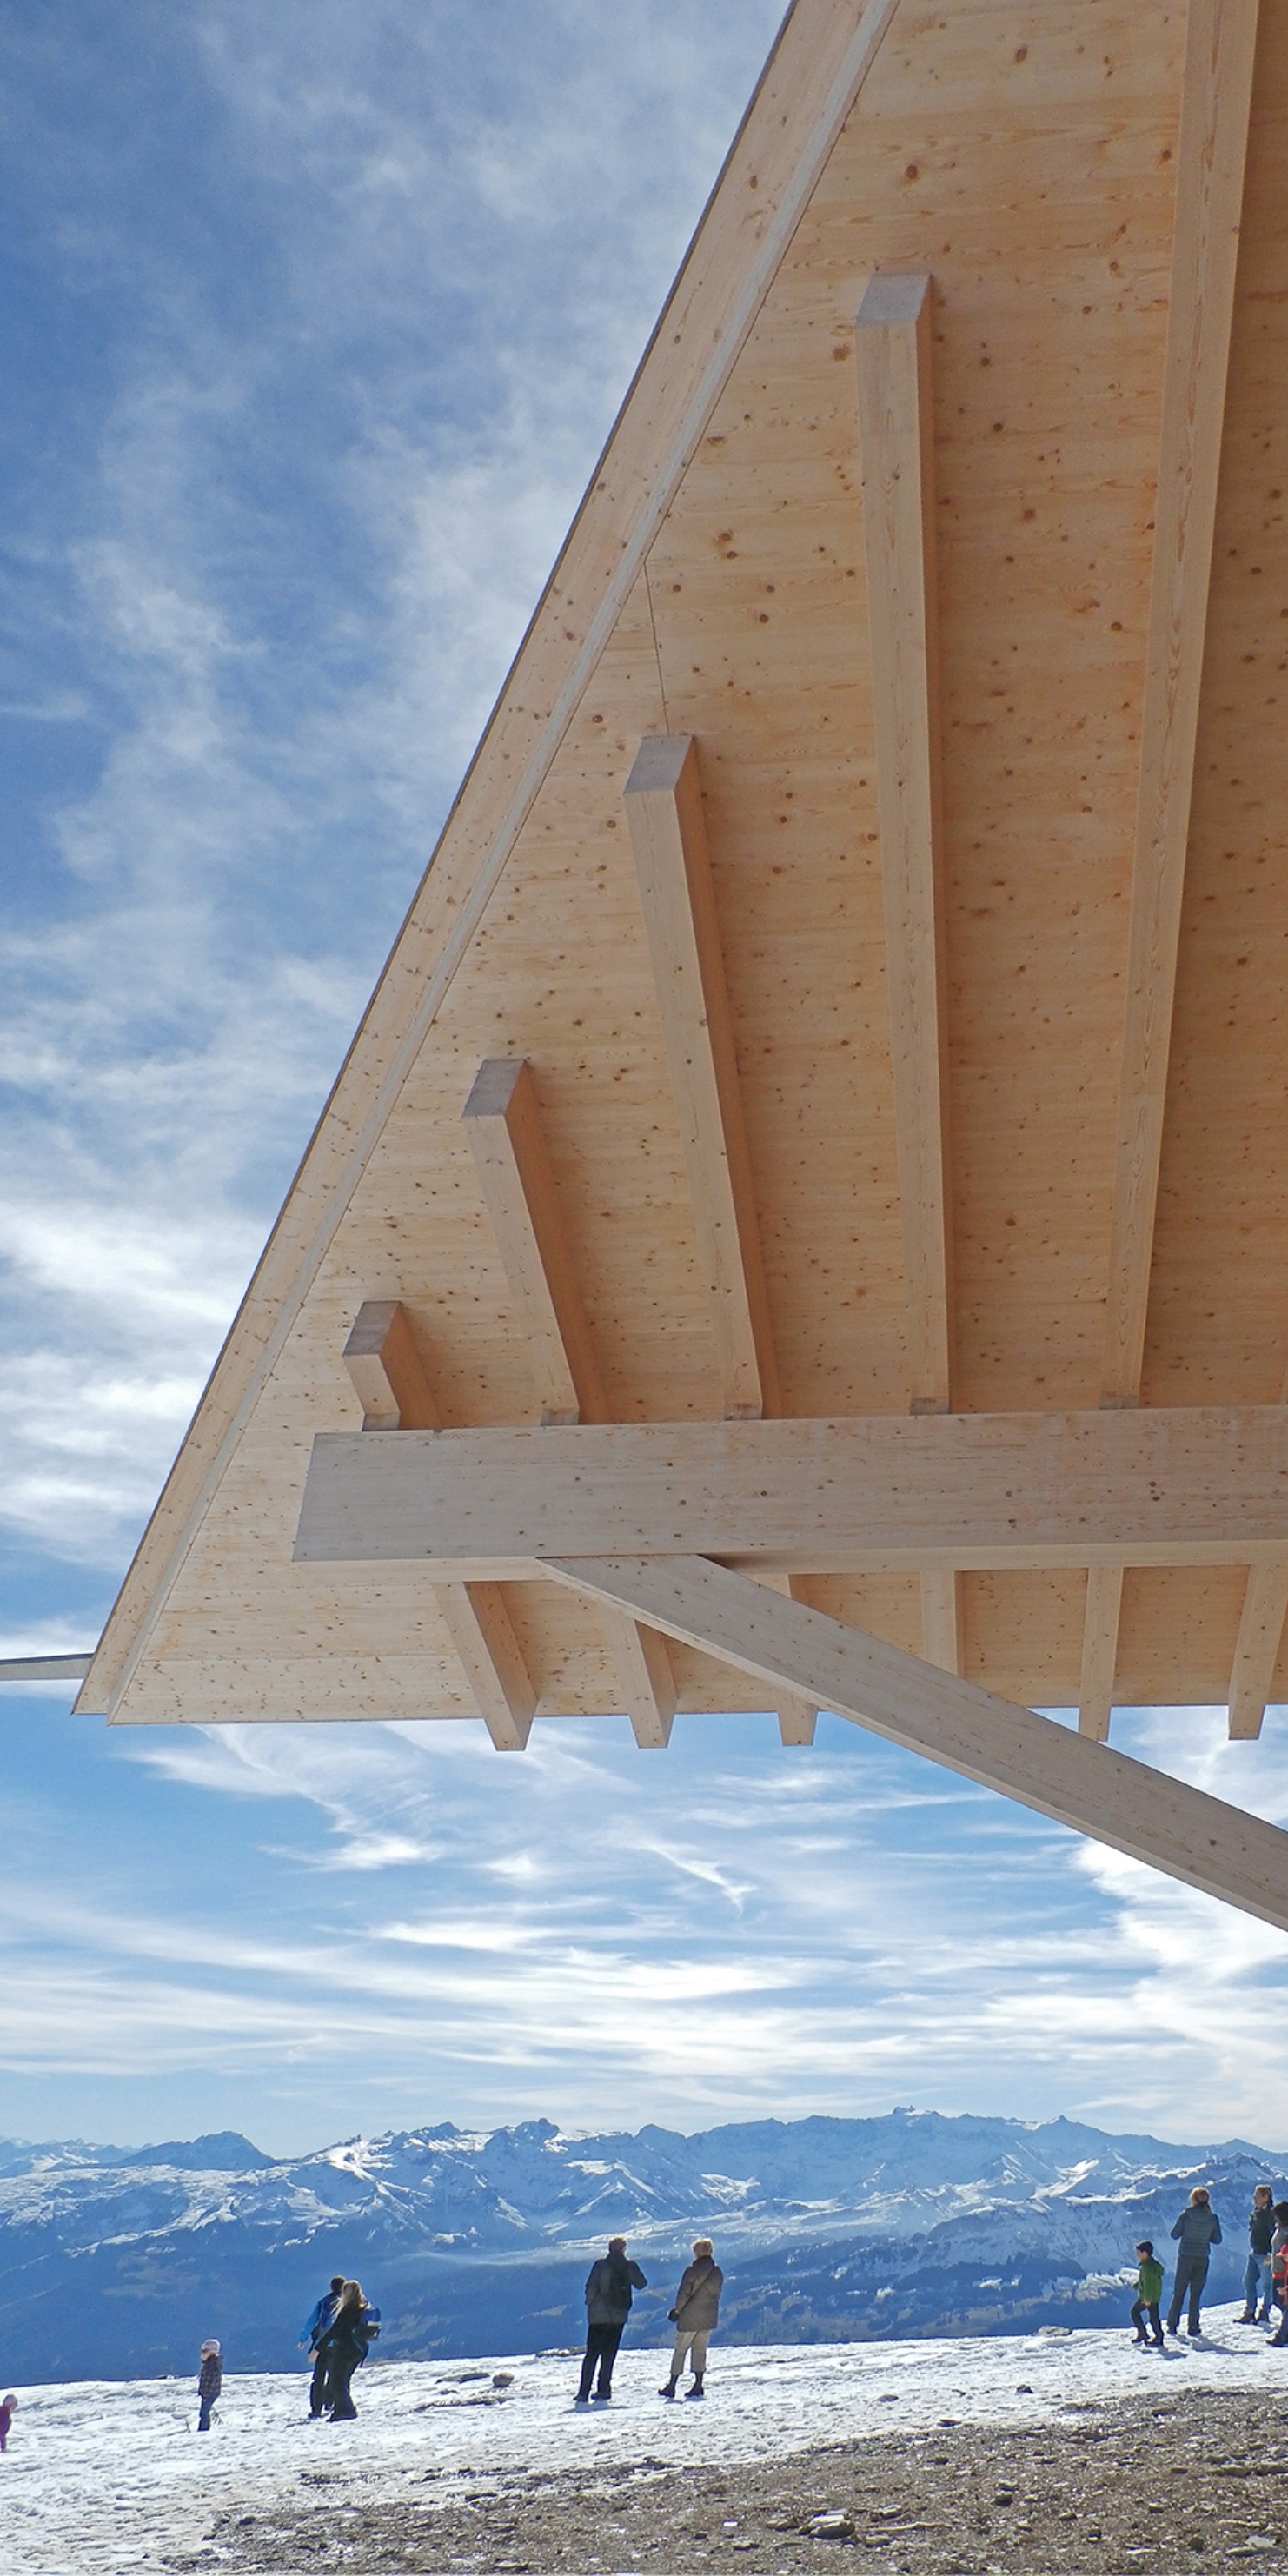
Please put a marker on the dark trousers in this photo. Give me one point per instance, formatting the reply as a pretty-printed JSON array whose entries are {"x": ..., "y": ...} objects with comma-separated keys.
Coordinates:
[
  {"x": 1191, "y": 2273},
  {"x": 1139, "y": 2314},
  {"x": 203, "y": 2414},
  {"x": 601, "y": 2347},
  {"x": 336, "y": 2395},
  {"x": 317, "y": 2390}
]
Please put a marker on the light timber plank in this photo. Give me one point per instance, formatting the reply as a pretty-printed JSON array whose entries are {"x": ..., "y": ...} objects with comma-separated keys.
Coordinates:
[
  {"x": 897, "y": 454},
  {"x": 1256, "y": 1653},
  {"x": 44, "y": 1668},
  {"x": 672, "y": 862},
  {"x": 1215, "y": 103},
  {"x": 941, "y": 1625},
  {"x": 503, "y": 1123},
  {"x": 1041, "y": 1764},
  {"x": 388, "y": 1375},
  {"x": 483, "y": 1634},
  {"x": 895, "y": 1492},
  {"x": 504, "y": 1126},
  {"x": 1100, "y": 1649}
]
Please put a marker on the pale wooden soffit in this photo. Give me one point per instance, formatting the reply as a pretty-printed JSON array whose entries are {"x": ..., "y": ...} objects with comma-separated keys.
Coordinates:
[
  {"x": 1175, "y": 1485},
  {"x": 393, "y": 1388},
  {"x": 897, "y": 468},
  {"x": 503, "y": 1122},
  {"x": 1216, "y": 101},
  {"x": 823, "y": 55},
  {"x": 669, "y": 838},
  {"x": 1042, "y": 1765}
]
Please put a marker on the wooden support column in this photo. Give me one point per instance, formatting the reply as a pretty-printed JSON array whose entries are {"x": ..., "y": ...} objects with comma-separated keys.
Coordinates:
[
  {"x": 1100, "y": 1649},
  {"x": 673, "y": 866},
  {"x": 1216, "y": 101},
  {"x": 503, "y": 1121},
  {"x": 1043, "y": 1765},
  {"x": 393, "y": 1388},
  {"x": 1256, "y": 1651},
  {"x": 897, "y": 468}
]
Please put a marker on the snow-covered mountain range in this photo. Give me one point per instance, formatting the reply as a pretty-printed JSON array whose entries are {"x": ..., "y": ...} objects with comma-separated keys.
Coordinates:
[{"x": 115, "y": 2262}]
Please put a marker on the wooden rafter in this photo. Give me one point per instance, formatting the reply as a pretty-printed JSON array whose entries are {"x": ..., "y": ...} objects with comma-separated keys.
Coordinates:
[
  {"x": 503, "y": 1121},
  {"x": 1043, "y": 1765},
  {"x": 1256, "y": 1653},
  {"x": 890, "y": 1492},
  {"x": 392, "y": 1385},
  {"x": 669, "y": 837},
  {"x": 1100, "y": 1650},
  {"x": 897, "y": 462}
]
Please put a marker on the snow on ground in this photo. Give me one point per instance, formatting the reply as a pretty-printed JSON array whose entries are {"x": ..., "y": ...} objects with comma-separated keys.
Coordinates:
[{"x": 104, "y": 2477}]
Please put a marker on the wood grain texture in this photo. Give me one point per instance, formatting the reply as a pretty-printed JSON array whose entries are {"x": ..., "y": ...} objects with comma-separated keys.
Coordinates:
[
  {"x": 503, "y": 1124},
  {"x": 386, "y": 1371},
  {"x": 1100, "y": 1650},
  {"x": 1145, "y": 1813},
  {"x": 1215, "y": 110},
  {"x": 1256, "y": 1653},
  {"x": 482, "y": 1632},
  {"x": 673, "y": 866},
  {"x": 897, "y": 465}
]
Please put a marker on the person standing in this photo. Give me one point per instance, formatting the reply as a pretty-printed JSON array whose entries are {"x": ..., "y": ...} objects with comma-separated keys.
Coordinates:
[
  {"x": 1261, "y": 2229},
  {"x": 8, "y": 2409},
  {"x": 311, "y": 2339},
  {"x": 694, "y": 2316},
  {"x": 345, "y": 2343},
  {"x": 1279, "y": 2268},
  {"x": 209, "y": 2383},
  {"x": 1197, "y": 2230},
  {"x": 610, "y": 2285},
  {"x": 1149, "y": 2290}
]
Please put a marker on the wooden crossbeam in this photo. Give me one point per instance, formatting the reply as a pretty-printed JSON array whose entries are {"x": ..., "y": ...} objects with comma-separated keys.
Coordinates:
[
  {"x": 888, "y": 1493},
  {"x": 393, "y": 1388},
  {"x": 1043, "y": 1765},
  {"x": 1215, "y": 105},
  {"x": 45, "y": 1668},
  {"x": 503, "y": 1123},
  {"x": 503, "y": 1120},
  {"x": 897, "y": 470},
  {"x": 672, "y": 862}
]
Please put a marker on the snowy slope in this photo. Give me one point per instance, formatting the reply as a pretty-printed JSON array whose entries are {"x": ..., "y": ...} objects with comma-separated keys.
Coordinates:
[
  {"x": 111, "y": 2261},
  {"x": 101, "y": 2479}
]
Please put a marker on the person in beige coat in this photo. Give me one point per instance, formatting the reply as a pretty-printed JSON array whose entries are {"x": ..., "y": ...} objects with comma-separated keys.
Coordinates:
[{"x": 697, "y": 2307}]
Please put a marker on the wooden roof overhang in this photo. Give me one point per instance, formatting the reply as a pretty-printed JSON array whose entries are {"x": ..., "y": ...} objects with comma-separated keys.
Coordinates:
[{"x": 804, "y": 1218}]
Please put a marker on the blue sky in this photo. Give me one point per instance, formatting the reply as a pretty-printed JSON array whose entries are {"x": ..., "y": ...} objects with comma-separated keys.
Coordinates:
[{"x": 316, "y": 317}]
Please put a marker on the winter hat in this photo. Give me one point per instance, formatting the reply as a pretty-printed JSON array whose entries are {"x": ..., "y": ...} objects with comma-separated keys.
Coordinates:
[{"x": 211, "y": 2345}]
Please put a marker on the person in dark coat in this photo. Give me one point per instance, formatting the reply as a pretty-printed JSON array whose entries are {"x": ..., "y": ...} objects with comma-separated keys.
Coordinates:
[
  {"x": 8, "y": 2409},
  {"x": 1257, "y": 2277},
  {"x": 609, "y": 2286},
  {"x": 697, "y": 2307},
  {"x": 1197, "y": 2230},
  {"x": 209, "y": 2383},
  {"x": 311, "y": 2339},
  {"x": 345, "y": 2344}
]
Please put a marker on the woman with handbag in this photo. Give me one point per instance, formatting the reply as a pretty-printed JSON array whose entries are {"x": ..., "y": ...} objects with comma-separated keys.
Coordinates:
[{"x": 694, "y": 2316}]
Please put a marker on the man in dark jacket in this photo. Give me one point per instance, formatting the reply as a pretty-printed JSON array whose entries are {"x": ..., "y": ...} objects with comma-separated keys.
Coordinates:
[
  {"x": 697, "y": 2307},
  {"x": 1261, "y": 2228},
  {"x": 1197, "y": 2230},
  {"x": 609, "y": 2285},
  {"x": 319, "y": 2320}
]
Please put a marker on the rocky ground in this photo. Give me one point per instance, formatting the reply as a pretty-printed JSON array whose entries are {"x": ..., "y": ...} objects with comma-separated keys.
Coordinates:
[{"x": 1159, "y": 2482}]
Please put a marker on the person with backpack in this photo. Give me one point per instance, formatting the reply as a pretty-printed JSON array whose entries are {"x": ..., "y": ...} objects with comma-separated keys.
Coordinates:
[
  {"x": 1197, "y": 2230},
  {"x": 1149, "y": 2290},
  {"x": 609, "y": 2286},
  {"x": 345, "y": 2343},
  {"x": 210, "y": 2382},
  {"x": 1257, "y": 2276},
  {"x": 694, "y": 2316},
  {"x": 311, "y": 2340}
]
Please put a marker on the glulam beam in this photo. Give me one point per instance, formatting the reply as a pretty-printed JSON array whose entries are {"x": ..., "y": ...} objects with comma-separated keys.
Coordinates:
[
  {"x": 885, "y": 1493},
  {"x": 1256, "y": 1652},
  {"x": 503, "y": 1122},
  {"x": 393, "y": 1388},
  {"x": 673, "y": 868},
  {"x": 1212, "y": 146},
  {"x": 941, "y": 1619},
  {"x": 897, "y": 474},
  {"x": 1041, "y": 1764},
  {"x": 1099, "y": 1650}
]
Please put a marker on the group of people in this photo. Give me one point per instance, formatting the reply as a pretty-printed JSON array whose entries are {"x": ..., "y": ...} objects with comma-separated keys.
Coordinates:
[
  {"x": 1197, "y": 2230},
  {"x": 337, "y": 2335},
  {"x": 610, "y": 2288}
]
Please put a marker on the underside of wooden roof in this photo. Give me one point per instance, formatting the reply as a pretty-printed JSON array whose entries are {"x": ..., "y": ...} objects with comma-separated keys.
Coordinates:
[{"x": 849, "y": 988}]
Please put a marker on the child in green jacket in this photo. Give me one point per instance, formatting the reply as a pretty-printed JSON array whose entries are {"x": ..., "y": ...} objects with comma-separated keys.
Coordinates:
[{"x": 1149, "y": 2290}]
